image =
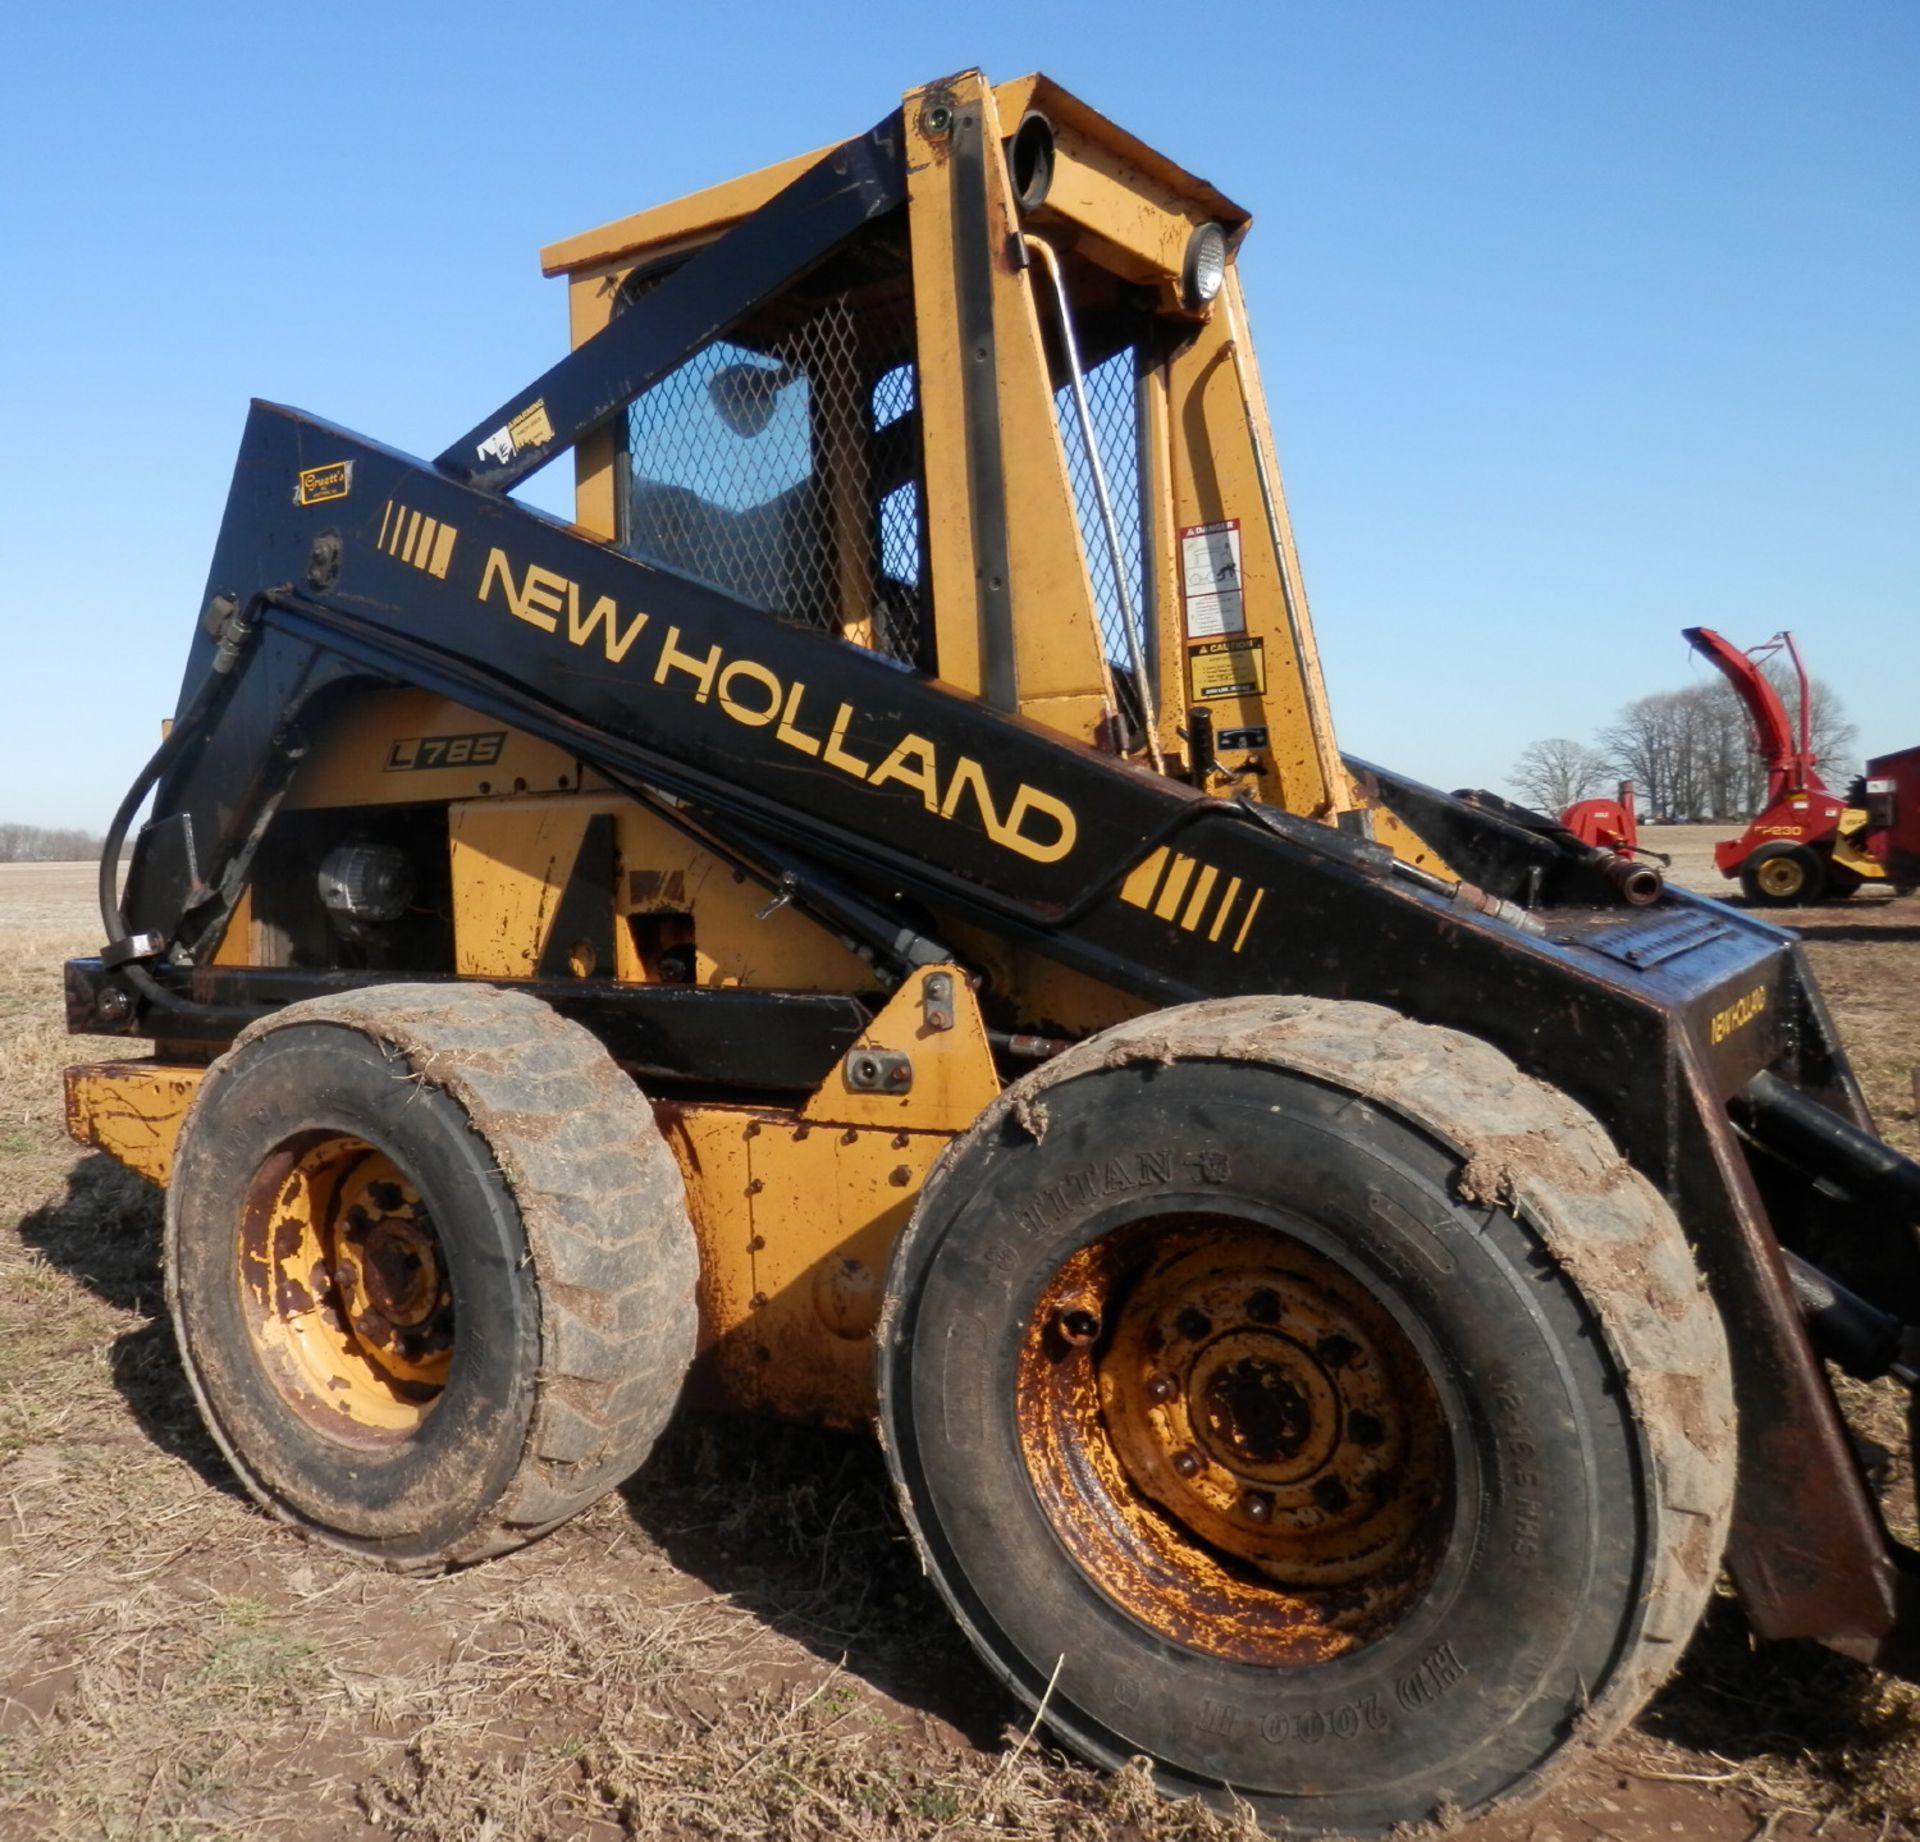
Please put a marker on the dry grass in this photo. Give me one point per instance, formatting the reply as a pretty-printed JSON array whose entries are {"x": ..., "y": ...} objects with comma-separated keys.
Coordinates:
[{"x": 737, "y": 1645}]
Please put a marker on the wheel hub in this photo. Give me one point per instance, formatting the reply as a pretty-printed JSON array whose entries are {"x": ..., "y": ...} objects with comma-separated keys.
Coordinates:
[
  {"x": 1251, "y": 1457},
  {"x": 1257, "y": 1410},
  {"x": 1284, "y": 1407},
  {"x": 1780, "y": 876},
  {"x": 389, "y": 1265},
  {"x": 346, "y": 1290}
]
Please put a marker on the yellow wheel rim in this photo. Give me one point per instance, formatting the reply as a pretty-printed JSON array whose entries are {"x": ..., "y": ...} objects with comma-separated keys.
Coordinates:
[
  {"x": 1236, "y": 1441},
  {"x": 345, "y": 1290},
  {"x": 1782, "y": 876}
]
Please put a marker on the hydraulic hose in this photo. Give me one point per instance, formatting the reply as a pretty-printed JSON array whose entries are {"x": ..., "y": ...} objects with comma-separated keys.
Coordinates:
[{"x": 220, "y": 678}]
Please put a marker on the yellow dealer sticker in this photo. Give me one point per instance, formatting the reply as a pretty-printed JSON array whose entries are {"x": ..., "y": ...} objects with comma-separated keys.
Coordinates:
[
  {"x": 1227, "y": 668},
  {"x": 319, "y": 484}
]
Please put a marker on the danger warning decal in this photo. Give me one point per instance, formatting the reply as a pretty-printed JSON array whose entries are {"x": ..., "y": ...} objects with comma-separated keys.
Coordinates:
[{"x": 1210, "y": 579}]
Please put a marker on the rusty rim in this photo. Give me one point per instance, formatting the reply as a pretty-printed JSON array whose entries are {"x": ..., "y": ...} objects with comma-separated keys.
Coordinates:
[
  {"x": 1235, "y": 1439},
  {"x": 345, "y": 1290},
  {"x": 1782, "y": 875}
]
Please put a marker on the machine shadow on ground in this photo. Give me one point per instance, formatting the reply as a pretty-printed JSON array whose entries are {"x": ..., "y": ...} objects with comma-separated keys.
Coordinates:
[
  {"x": 105, "y": 1234},
  {"x": 797, "y": 1526}
]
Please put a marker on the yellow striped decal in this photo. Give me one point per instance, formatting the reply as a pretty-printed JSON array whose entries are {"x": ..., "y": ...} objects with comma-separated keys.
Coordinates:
[
  {"x": 1246, "y": 926},
  {"x": 1177, "y": 888},
  {"x": 1226, "y": 908},
  {"x": 1144, "y": 878},
  {"x": 1173, "y": 888},
  {"x": 1197, "y": 902},
  {"x": 415, "y": 538}
]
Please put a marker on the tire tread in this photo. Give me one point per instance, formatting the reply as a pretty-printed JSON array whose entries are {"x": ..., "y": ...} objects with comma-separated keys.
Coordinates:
[
  {"x": 604, "y": 1208},
  {"x": 1531, "y": 1150}
]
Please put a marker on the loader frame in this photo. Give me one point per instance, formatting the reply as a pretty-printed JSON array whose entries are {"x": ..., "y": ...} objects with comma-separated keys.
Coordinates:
[{"x": 938, "y": 836}]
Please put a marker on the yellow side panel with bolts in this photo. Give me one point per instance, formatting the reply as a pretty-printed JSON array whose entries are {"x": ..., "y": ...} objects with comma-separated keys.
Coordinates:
[
  {"x": 132, "y": 1111},
  {"x": 796, "y": 1222},
  {"x": 512, "y": 858},
  {"x": 797, "y": 1214},
  {"x": 828, "y": 1204},
  {"x": 923, "y": 1064},
  {"x": 710, "y": 1143}
]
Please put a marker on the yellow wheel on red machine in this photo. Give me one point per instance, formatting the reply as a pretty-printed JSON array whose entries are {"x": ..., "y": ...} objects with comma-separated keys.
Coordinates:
[
  {"x": 1307, "y": 1400},
  {"x": 1783, "y": 876}
]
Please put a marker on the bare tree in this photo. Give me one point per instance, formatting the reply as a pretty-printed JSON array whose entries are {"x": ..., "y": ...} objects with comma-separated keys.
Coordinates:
[
  {"x": 1691, "y": 753},
  {"x": 1647, "y": 744},
  {"x": 1830, "y": 732},
  {"x": 1553, "y": 774},
  {"x": 37, "y": 844}
]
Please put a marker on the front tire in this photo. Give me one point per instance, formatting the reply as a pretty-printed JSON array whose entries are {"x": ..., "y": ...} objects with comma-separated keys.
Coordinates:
[
  {"x": 1304, "y": 1398},
  {"x": 430, "y": 1268},
  {"x": 1783, "y": 876}
]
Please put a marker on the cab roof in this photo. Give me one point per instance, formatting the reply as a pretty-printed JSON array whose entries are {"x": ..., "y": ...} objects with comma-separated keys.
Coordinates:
[{"x": 700, "y": 216}]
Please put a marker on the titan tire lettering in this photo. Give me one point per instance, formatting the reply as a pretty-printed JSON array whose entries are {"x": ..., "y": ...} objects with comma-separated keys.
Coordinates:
[
  {"x": 1216, "y": 1716},
  {"x": 1438, "y": 1671},
  {"x": 1346, "y": 1721}
]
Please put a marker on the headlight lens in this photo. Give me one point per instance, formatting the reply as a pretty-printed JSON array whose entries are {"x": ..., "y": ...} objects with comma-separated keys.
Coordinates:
[{"x": 1205, "y": 267}]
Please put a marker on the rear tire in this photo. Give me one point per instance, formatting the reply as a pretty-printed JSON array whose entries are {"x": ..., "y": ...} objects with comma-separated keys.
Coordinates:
[
  {"x": 430, "y": 1267},
  {"x": 1783, "y": 876},
  {"x": 1306, "y": 1399}
]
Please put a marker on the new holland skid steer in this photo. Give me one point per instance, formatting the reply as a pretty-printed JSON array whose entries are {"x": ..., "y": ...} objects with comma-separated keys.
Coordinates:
[{"x": 870, "y": 924}]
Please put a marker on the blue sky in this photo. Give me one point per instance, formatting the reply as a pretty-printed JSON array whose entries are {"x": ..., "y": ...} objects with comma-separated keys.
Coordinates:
[{"x": 1579, "y": 322}]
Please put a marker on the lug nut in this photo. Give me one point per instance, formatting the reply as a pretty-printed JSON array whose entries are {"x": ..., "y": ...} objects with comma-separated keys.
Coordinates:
[
  {"x": 1162, "y": 1388},
  {"x": 1256, "y": 1506},
  {"x": 1186, "y": 1464},
  {"x": 1078, "y": 1324}
]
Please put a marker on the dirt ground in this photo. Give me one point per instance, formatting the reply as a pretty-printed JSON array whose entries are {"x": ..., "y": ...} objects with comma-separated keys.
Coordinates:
[{"x": 738, "y": 1644}]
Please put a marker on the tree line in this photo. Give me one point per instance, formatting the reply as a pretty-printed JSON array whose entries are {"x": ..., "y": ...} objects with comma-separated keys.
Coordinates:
[
  {"x": 1689, "y": 753},
  {"x": 44, "y": 844}
]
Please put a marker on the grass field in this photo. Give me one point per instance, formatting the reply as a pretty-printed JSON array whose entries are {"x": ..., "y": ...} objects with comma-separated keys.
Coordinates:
[{"x": 737, "y": 1644}]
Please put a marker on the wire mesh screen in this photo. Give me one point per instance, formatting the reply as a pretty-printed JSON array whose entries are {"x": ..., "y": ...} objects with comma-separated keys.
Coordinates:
[
  {"x": 781, "y": 465},
  {"x": 1113, "y": 404}
]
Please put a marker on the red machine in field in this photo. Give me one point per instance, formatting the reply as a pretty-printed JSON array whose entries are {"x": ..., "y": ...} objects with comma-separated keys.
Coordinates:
[
  {"x": 1807, "y": 844},
  {"x": 1607, "y": 824},
  {"x": 1893, "y": 816}
]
